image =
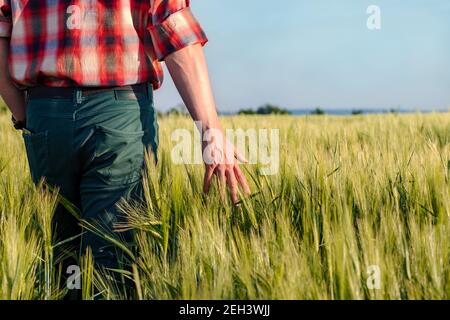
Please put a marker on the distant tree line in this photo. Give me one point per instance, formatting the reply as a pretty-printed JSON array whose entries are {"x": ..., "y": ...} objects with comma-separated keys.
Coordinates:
[
  {"x": 318, "y": 111},
  {"x": 265, "y": 110},
  {"x": 179, "y": 110}
]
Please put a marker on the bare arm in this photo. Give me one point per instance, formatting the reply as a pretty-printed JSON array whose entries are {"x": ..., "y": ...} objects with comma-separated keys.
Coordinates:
[
  {"x": 189, "y": 71},
  {"x": 13, "y": 97}
]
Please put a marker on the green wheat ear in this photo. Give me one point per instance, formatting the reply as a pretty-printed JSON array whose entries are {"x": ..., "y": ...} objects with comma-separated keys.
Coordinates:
[{"x": 87, "y": 275}]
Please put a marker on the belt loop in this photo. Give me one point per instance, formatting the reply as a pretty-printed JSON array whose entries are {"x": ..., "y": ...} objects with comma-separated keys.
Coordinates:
[{"x": 78, "y": 96}]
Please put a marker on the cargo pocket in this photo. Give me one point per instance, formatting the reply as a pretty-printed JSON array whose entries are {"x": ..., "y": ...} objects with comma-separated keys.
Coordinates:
[
  {"x": 36, "y": 145},
  {"x": 119, "y": 156}
]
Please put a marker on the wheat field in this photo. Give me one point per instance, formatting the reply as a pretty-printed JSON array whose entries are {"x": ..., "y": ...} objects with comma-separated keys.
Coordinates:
[{"x": 353, "y": 193}]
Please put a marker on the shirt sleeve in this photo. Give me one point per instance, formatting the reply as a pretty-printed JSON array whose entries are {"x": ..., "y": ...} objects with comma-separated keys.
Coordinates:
[
  {"x": 5, "y": 19},
  {"x": 172, "y": 26}
]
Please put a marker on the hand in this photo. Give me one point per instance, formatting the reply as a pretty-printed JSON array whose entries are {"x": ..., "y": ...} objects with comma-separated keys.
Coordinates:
[
  {"x": 18, "y": 124},
  {"x": 221, "y": 159},
  {"x": 19, "y": 116}
]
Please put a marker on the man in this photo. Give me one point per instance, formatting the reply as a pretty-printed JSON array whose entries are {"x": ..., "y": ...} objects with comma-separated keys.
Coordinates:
[{"x": 78, "y": 77}]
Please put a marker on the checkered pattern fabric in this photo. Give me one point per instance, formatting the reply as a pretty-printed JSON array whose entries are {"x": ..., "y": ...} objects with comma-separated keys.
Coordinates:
[{"x": 95, "y": 42}]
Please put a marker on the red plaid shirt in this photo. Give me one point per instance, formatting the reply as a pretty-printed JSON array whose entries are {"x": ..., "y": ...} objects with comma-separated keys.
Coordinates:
[{"x": 94, "y": 42}]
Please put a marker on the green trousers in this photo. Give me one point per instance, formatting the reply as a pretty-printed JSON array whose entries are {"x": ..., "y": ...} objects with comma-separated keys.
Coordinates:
[{"x": 92, "y": 148}]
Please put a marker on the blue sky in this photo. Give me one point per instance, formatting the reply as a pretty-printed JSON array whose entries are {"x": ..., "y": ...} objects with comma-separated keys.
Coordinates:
[{"x": 304, "y": 54}]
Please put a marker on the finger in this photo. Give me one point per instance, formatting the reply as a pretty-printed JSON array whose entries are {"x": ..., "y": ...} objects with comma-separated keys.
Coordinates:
[
  {"x": 233, "y": 185},
  {"x": 209, "y": 172},
  {"x": 220, "y": 173},
  {"x": 241, "y": 179}
]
